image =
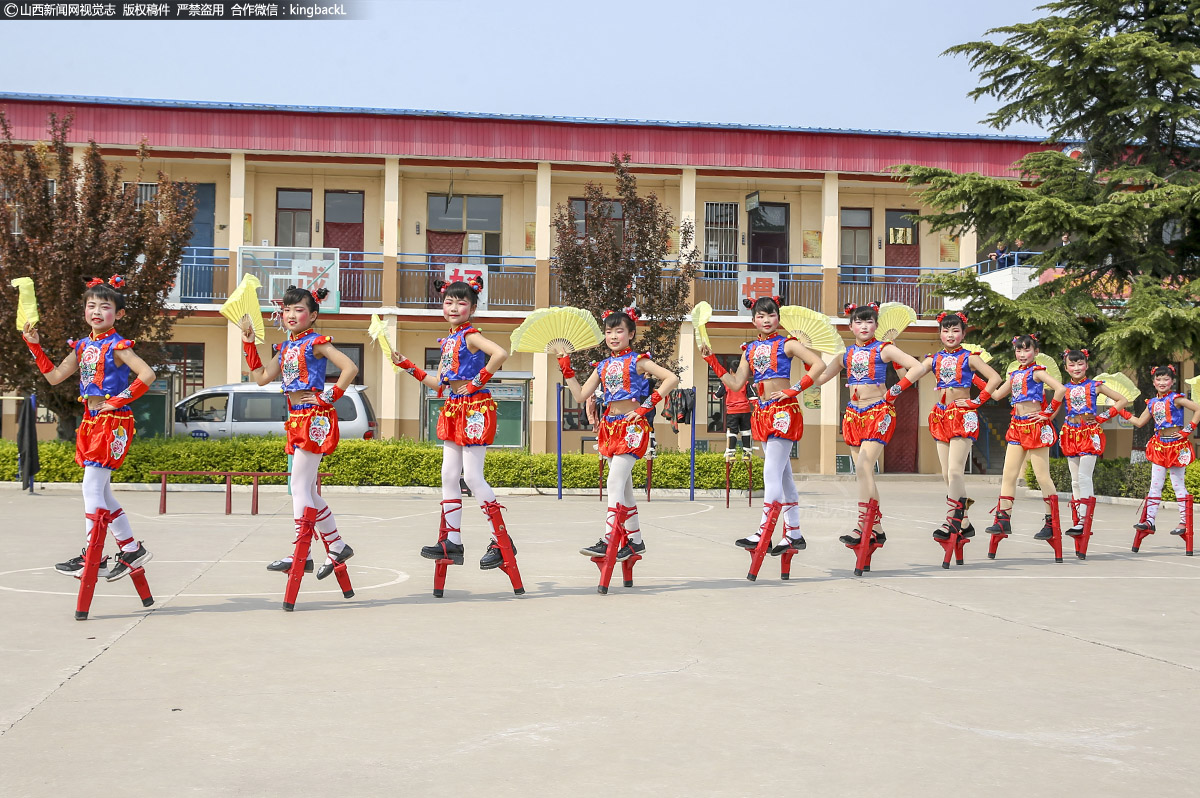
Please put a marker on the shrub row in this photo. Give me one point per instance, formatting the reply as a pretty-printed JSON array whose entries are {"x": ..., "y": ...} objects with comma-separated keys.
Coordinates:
[
  {"x": 1115, "y": 478},
  {"x": 390, "y": 462}
]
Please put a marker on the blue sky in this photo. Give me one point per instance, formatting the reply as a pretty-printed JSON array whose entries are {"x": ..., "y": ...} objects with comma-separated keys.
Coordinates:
[{"x": 869, "y": 64}]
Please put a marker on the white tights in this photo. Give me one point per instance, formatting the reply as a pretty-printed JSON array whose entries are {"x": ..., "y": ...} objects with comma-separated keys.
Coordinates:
[
  {"x": 1158, "y": 478},
  {"x": 620, "y": 491},
  {"x": 779, "y": 486},
  {"x": 98, "y": 494},
  {"x": 305, "y": 467},
  {"x": 1081, "y": 476},
  {"x": 466, "y": 462}
]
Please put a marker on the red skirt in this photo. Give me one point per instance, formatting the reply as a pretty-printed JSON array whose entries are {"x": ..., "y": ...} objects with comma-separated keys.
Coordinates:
[
  {"x": 874, "y": 422},
  {"x": 781, "y": 418},
  {"x": 618, "y": 436},
  {"x": 103, "y": 440},
  {"x": 312, "y": 429},
  {"x": 1078, "y": 439},
  {"x": 1030, "y": 433},
  {"x": 1169, "y": 454},
  {"x": 950, "y": 422},
  {"x": 468, "y": 420}
]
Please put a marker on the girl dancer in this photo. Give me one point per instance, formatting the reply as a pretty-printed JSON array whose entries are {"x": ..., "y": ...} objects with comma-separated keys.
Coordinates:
[
  {"x": 1081, "y": 439},
  {"x": 1169, "y": 450},
  {"x": 312, "y": 425},
  {"x": 467, "y": 423},
  {"x": 104, "y": 360},
  {"x": 624, "y": 433},
  {"x": 777, "y": 419},
  {"x": 870, "y": 416},
  {"x": 953, "y": 421},
  {"x": 1030, "y": 435}
]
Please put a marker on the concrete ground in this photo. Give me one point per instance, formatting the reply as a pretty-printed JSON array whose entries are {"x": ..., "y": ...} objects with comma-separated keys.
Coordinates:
[{"x": 1016, "y": 676}]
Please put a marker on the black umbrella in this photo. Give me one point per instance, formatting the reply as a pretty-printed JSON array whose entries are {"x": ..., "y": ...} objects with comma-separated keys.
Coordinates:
[{"x": 27, "y": 442}]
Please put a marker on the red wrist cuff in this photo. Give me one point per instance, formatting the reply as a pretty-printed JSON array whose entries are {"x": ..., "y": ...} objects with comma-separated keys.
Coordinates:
[
  {"x": 984, "y": 397},
  {"x": 716, "y": 366},
  {"x": 806, "y": 382},
  {"x": 127, "y": 396},
  {"x": 564, "y": 364},
  {"x": 44, "y": 363},
  {"x": 252, "y": 358}
]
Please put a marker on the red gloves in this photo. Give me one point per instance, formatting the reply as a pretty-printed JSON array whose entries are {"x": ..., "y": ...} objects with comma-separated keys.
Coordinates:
[
  {"x": 717, "y": 368},
  {"x": 135, "y": 389},
  {"x": 44, "y": 363},
  {"x": 894, "y": 392},
  {"x": 564, "y": 363},
  {"x": 481, "y": 379},
  {"x": 805, "y": 383},
  {"x": 413, "y": 369},
  {"x": 979, "y": 401}
]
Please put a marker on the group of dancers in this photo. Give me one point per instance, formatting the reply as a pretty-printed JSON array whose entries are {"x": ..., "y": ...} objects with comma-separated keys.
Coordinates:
[{"x": 621, "y": 381}]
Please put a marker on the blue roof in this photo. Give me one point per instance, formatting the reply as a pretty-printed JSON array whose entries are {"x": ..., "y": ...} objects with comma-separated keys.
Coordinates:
[{"x": 571, "y": 120}]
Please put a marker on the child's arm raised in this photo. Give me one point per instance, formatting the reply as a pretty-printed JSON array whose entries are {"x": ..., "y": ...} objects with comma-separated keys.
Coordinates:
[
  {"x": 260, "y": 373},
  {"x": 581, "y": 393},
  {"x": 732, "y": 381},
  {"x": 54, "y": 374}
]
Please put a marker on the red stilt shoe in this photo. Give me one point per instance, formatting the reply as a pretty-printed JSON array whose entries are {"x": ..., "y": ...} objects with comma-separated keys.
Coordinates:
[
  {"x": 954, "y": 541},
  {"x": 504, "y": 542},
  {"x": 868, "y": 540},
  {"x": 759, "y": 552},
  {"x": 306, "y": 528},
  {"x": 1055, "y": 526},
  {"x": 92, "y": 558},
  {"x": 1001, "y": 527},
  {"x": 1082, "y": 512},
  {"x": 1145, "y": 525},
  {"x": 339, "y": 572},
  {"x": 1188, "y": 531},
  {"x": 618, "y": 538},
  {"x": 441, "y": 564}
]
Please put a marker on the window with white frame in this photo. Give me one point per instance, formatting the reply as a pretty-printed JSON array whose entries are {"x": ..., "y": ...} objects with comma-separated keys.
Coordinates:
[
  {"x": 480, "y": 217},
  {"x": 15, "y": 207},
  {"x": 145, "y": 192},
  {"x": 721, "y": 238}
]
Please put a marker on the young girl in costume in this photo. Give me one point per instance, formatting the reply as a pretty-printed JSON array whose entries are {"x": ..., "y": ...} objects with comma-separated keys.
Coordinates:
[
  {"x": 1169, "y": 450},
  {"x": 312, "y": 424},
  {"x": 1081, "y": 438},
  {"x": 467, "y": 423},
  {"x": 777, "y": 419},
  {"x": 623, "y": 380},
  {"x": 953, "y": 421},
  {"x": 1030, "y": 434},
  {"x": 104, "y": 361},
  {"x": 870, "y": 417}
]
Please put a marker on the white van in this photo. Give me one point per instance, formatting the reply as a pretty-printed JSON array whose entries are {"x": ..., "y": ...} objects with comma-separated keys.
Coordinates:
[{"x": 245, "y": 408}]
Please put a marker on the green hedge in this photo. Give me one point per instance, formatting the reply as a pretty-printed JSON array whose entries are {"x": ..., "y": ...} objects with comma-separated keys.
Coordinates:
[
  {"x": 391, "y": 462},
  {"x": 1115, "y": 478}
]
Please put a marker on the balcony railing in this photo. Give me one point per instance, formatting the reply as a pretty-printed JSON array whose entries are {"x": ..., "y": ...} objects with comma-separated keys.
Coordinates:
[
  {"x": 203, "y": 276},
  {"x": 861, "y": 285},
  {"x": 360, "y": 279},
  {"x": 1005, "y": 261},
  {"x": 510, "y": 280}
]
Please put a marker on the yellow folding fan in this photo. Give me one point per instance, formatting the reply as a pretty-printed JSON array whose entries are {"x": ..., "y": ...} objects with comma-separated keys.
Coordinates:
[
  {"x": 811, "y": 328},
  {"x": 1042, "y": 360},
  {"x": 27, "y": 309},
  {"x": 893, "y": 318},
  {"x": 983, "y": 354},
  {"x": 700, "y": 316},
  {"x": 553, "y": 329},
  {"x": 244, "y": 302},
  {"x": 378, "y": 332},
  {"x": 1194, "y": 384},
  {"x": 1119, "y": 383}
]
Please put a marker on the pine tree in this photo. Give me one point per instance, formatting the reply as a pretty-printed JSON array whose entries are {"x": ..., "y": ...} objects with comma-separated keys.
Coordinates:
[
  {"x": 618, "y": 259},
  {"x": 1121, "y": 81},
  {"x": 88, "y": 226}
]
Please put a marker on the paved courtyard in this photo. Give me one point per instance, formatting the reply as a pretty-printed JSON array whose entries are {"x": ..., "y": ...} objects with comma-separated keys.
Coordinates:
[{"x": 1016, "y": 676}]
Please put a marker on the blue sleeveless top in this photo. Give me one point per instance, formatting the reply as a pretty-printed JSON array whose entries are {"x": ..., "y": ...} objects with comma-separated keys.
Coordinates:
[
  {"x": 458, "y": 361},
  {"x": 619, "y": 377},
  {"x": 1164, "y": 412},
  {"x": 99, "y": 372},
  {"x": 953, "y": 369},
  {"x": 767, "y": 358},
  {"x": 1024, "y": 387},
  {"x": 300, "y": 369},
  {"x": 864, "y": 364},
  {"x": 1081, "y": 398}
]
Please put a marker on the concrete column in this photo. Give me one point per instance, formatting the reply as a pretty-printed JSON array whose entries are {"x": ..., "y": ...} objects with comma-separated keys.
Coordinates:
[
  {"x": 831, "y": 244},
  {"x": 237, "y": 211},
  {"x": 687, "y": 212},
  {"x": 545, "y": 383},
  {"x": 318, "y": 209},
  {"x": 831, "y": 418},
  {"x": 391, "y": 229},
  {"x": 968, "y": 244}
]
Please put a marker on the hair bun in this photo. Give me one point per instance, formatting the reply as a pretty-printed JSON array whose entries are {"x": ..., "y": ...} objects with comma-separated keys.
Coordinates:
[
  {"x": 320, "y": 294},
  {"x": 748, "y": 303},
  {"x": 849, "y": 308},
  {"x": 440, "y": 286}
]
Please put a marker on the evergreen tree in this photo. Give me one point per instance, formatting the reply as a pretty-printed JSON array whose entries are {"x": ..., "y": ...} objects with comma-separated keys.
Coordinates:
[
  {"x": 615, "y": 257},
  {"x": 88, "y": 226},
  {"x": 1120, "y": 81}
]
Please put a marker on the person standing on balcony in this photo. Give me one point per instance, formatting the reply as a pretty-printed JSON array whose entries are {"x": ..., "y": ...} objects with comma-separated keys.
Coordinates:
[
  {"x": 312, "y": 424},
  {"x": 1030, "y": 435},
  {"x": 777, "y": 420},
  {"x": 1082, "y": 440},
  {"x": 869, "y": 420},
  {"x": 1169, "y": 450},
  {"x": 954, "y": 420},
  {"x": 467, "y": 422},
  {"x": 104, "y": 360},
  {"x": 737, "y": 421},
  {"x": 1000, "y": 256},
  {"x": 624, "y": 429}
]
